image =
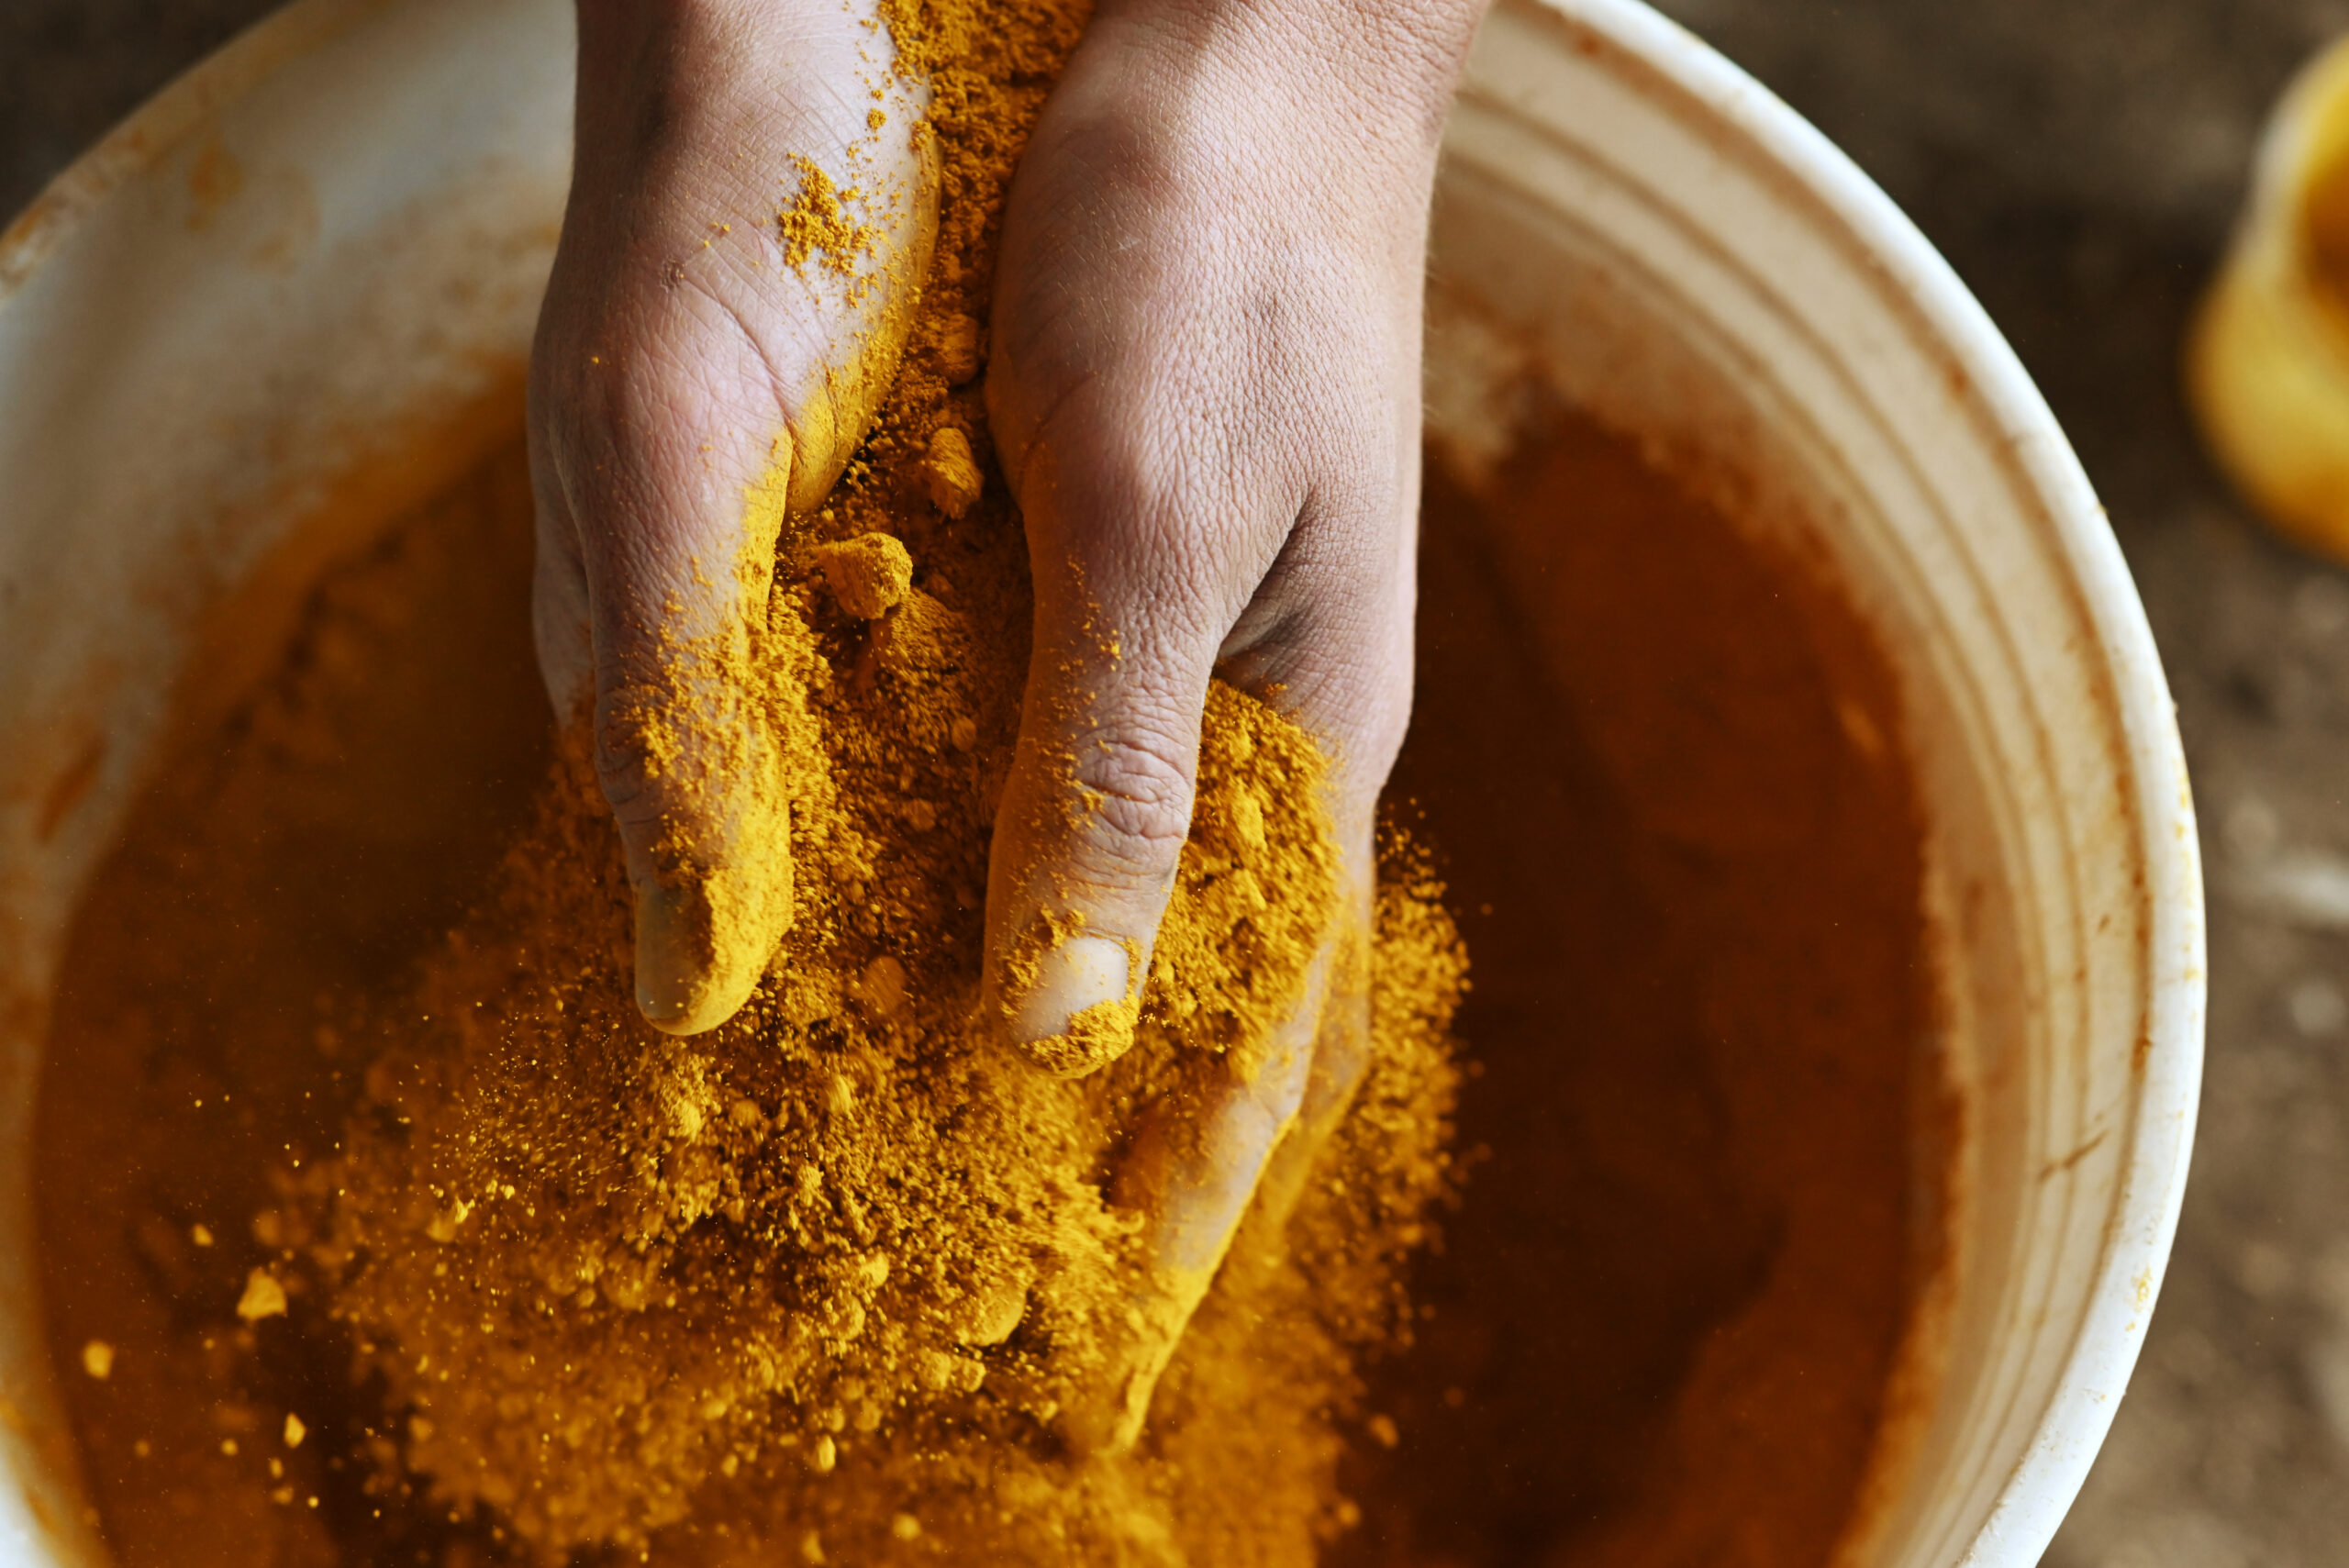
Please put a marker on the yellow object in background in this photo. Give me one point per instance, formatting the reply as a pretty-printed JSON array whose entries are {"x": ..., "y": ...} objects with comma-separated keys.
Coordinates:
[{"x": 2267, "y": 359}]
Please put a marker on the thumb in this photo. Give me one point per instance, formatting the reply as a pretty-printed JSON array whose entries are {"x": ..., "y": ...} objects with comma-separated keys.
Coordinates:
[
  {"x": 691, "y": 765},
  {"x": 664, "y": 491},
  {"x": 672, "y": 568},
  {"x": 1094, "y": 814},
  {"x": 669, "y": 556},
  {"x": 681, "y": 332}
]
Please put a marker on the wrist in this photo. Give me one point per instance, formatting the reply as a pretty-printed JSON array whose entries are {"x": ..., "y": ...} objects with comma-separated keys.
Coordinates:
[
  {"x": 711, "y": 49},
  {"x": 1394, "y": 60},
  {"x": 720, "y": 79}
]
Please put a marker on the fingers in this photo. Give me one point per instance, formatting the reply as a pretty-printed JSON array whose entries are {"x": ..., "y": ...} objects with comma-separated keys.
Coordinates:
[
  {"x": 1141, "y": 597},
  {"x": 655, "y": 675},
  {"x": 1093, "y": 819},
  {"x": 1166, "y": 541},
  {"x": 683, "y": 749},
  {"x": 655, "y": 567},
  {"x": 1202, "y": 492},
  {"x": 1322, "y": 643},
  {"x": 1341, "y": 1061},
  {"x": 690, "y": 387},
  {"x": 1193, "y": 1173}
]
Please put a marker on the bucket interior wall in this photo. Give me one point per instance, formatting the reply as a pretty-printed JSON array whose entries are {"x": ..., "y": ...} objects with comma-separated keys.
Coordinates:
[{"x": 1598, "y": 234}]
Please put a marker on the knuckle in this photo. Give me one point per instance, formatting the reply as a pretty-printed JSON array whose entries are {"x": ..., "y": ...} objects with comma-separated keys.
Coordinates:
[
  {"x": 1137, "y": 786},
  {"x": 624, "y": 756}
]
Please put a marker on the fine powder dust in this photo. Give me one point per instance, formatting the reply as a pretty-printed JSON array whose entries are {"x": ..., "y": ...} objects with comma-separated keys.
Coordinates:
[
  {"x": 250, "y": 1082},
  {"x": 821, "y": 1280}
]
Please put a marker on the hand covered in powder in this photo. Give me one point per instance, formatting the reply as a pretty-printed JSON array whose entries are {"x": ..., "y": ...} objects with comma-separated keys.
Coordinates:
[
  {"x": 1205, "y": 392},
  {"x": 675, "y": 342}
]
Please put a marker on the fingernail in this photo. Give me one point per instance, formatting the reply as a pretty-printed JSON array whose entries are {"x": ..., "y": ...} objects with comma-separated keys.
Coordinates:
[
  {"x": 674, "y": 986},
  {"x": 1074, "y": 1014}
]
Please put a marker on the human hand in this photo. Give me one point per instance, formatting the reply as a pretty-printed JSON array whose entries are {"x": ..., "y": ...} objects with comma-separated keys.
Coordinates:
[
  {"x": 1205, "y": 387},
  {"x": 675, "y": 344},
  {"x": 1205, "y": 392}
]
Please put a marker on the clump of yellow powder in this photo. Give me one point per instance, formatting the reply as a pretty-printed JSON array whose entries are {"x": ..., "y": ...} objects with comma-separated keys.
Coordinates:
[{"x": 819, "y": 224}]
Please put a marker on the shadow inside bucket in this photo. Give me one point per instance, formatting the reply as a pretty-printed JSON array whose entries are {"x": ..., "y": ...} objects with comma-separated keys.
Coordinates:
[{"x": 1656, "y": 758}]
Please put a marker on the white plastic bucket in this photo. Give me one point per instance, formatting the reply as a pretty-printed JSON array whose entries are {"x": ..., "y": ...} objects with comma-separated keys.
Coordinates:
[{"x": 310, "y": 258}]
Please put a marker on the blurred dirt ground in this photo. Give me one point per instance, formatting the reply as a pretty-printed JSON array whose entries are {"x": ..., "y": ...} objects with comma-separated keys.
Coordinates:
[{"x": 2079, "y": 162}]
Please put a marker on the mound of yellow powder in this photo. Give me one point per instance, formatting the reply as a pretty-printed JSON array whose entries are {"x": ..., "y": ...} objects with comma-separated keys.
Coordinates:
[{"x": 598, "y": 1270}]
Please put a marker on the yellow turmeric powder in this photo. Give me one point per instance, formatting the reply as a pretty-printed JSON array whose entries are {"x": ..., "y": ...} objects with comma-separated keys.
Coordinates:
[
  {"x": 817, "y": 1283},
  {"x": 238, "y": 1004},
  {"x": 847, "y": 1206}
]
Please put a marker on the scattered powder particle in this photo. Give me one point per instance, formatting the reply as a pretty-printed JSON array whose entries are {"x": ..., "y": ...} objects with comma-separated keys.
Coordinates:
[
  {"x": 263, "y": 1297},
  {"x": 819, "y": 227},
  {"x": 882, "y": 986},
  {"x": 951, "y": 476},
  {"x": 295, "y": 1430},
  {"x": 958, "y": 349},
  {"x": 1093, "y": 1039},
  {"x": 97, "y": 1359},
  {"x": 869, "y": 575}
]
